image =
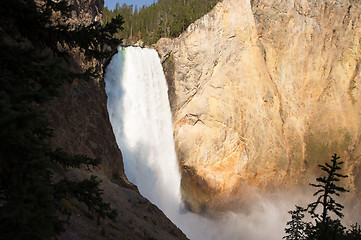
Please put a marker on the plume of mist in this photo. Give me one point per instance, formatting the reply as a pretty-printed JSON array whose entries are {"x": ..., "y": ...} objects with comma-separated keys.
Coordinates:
[{"x": 266, "y": 218}]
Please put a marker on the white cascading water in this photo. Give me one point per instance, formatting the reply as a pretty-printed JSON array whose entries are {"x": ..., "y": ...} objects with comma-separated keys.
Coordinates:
[
  {"x": 139, "y": 110},
  {"x": 140, "y": 114}
]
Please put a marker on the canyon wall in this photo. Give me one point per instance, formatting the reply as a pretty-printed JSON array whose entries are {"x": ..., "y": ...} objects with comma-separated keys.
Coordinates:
[
  {"x": 81, "y": 125},
  {"x": 261, "y": 93}
]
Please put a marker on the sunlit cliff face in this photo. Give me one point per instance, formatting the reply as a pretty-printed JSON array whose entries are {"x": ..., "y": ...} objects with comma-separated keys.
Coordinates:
[{"x": 263, "y": 93}]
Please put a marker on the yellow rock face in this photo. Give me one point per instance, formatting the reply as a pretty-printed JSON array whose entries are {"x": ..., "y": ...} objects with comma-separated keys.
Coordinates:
[{"x": 262, "y": 94}]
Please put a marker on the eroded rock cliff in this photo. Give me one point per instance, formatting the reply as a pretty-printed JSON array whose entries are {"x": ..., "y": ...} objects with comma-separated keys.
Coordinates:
[{"x": 263, "y": 91}]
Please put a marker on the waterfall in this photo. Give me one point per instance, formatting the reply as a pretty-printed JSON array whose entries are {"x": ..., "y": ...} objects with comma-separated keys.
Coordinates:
[
  {"x": 139, "y": 110},
  {"x": 140, "y": 114}
]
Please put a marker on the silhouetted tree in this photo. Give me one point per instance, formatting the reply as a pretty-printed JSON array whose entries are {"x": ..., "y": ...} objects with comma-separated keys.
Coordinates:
[
  {"x": 297, "y": 227},
  {"x": 354, "y": 233},
  {"x": 324, "y": 227},
  {"x": 327, "y": 188},
  {"x": 329, "y": 230}
]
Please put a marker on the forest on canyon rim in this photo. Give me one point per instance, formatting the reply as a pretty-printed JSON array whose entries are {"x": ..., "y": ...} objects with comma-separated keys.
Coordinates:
[{"x": 166, "y": 18}]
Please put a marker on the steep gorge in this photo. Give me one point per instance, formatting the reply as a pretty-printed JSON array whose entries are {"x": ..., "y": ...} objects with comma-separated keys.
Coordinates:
[
  {"x": 261, "y": 92},
  {"x": 81, "y": 125}
]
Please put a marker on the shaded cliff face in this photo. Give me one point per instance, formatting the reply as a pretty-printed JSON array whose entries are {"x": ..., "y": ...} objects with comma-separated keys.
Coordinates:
[
  {"x": 79, "y": 115},
  {"x": 81, "y": 125},
  {"x": 261, "y": 93}
]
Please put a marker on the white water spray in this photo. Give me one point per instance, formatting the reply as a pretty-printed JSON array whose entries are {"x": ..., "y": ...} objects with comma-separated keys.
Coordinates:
[{"x": 139, "y": 111}]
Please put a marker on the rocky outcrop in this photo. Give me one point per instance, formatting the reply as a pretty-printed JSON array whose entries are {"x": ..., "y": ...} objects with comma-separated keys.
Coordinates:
[
  {"x": 263, "y": 91},
  {"x": 81, "y": 125}
]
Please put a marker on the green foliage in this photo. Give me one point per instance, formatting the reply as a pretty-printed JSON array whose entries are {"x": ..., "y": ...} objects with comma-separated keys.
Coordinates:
[
  {"x": 166, "y": 18},
  {"x": 35, "y": 48},
  {"x": 323, "y": 227}
]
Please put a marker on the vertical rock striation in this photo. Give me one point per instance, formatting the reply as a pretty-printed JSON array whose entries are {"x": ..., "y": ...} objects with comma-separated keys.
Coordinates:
[{"x": 263, "y": 91}]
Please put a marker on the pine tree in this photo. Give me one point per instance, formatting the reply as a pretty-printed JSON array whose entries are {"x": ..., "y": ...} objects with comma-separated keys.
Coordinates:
[
  {"x": 297, "y": 227},
  {"x": 327, "y": 188},
  {"x": 325, "y": 226},
  {"x": 35, "y": 45}
]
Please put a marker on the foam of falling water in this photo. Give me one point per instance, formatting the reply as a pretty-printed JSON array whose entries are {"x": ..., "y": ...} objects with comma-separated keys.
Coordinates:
[{"x": 139, "y": 111}]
